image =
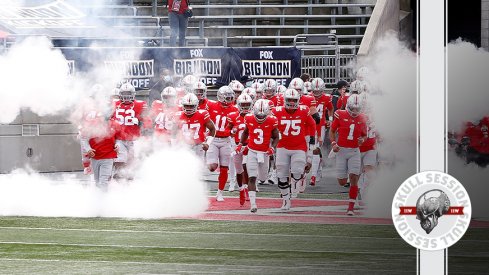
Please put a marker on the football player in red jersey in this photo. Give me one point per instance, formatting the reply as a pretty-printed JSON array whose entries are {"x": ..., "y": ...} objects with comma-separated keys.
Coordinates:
[
  {"x": 244, "y": 103},
  {"x": 193, "y": 123},
  {"x": 259, "y": 88},
  {"x": 162, "y": 112},
  {"x": 130, "y": 115},
  {"x": 293, "y": 122},
  {"x": 200, "y": 90},
  {"x": 251, "y": 92},
  {"x": 237, "y": 87},
  {"x": 270, "y": 93},
  {"x": 325, "y": 111},
  {"x": 348, "y": 131},
  {"x": 262, "y": 135},
  {"x": 367, "y": 148},
  {"x": 219, "y": 152}
]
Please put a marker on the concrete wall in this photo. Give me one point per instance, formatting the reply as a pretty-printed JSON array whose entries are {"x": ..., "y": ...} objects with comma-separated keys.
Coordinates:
[
  {"x": 385, "y": 17},
  {"x": 485, "y": 24}
]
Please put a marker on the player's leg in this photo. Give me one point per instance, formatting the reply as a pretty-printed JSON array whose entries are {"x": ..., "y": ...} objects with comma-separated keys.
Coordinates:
[
  {"x": 316, "y": 159},
  {"x": 224, "y": 161},
  {"x": 121, "y": 160},
  {"x": 95, "y": 164},
  {"x": 238, "y": 163},
  {"x": 354, "y": 169},
  {"x": 369, "y": 162},
  {"x": 252, "y": 169},
  {"x": 341, "y": 167},
  {"x": 105, "y": 173},
  {"x": 245, "y": 176},
  {"x": 283, "y": 168},
  {"x": 232, "y": 170},
  {"x": 297, "y": 164},
  {"x": 212, "y": 159}
]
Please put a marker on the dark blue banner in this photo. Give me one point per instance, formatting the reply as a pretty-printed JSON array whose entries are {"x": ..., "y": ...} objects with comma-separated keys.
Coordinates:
[{"x": 214, "y": 66}]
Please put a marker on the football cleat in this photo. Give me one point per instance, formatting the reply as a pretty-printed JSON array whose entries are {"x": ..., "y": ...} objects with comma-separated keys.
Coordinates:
[
  {"x": 350, "y": 212},
  {"x": 272, "y": 176},
  {"x": 254, "y": 208},
  {"x": 313, "y": 181},
  {"x": 88, "y": 170},
  {"x": 242, "y": 196},
  {"x": 232, "y": 185},
  {"x": 302, "y": 185},
  {"x": 247, "y": 197},
  {"x": 219, "y": 196},
  {"x": 286, "y": 204}
]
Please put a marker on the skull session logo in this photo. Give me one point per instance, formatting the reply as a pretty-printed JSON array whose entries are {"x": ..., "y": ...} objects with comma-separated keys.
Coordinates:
[{"x": 431, "y": 210}]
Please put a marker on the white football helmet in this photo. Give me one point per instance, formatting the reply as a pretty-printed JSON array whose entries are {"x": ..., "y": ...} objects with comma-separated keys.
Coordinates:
[
  {"x": 307, "y": 86},
  {"x": 188, "y": 82},
  {"x": 127, "y": 93},
  {"x": 317, "y": 86},
  {"x": 354, "y": 105},
  {"x": 251, "y": 92},
  {"x": 190, "y": 104},
  {"x": 362, "y": 74},
  {"x": 281, "y": 89},
  {"x": 259, "y": 87},
  {"x": 291, "y": 99},
  {"x": 244, "y": 103},
  {"x": 200, "y": 90},
  {"x": 261, "y": 109},
  {"x": 270, "y": 88},
  {"x": 225, "y": 95},
  {"x": 169, "y": 96},
  {"x": 236, "y": 86},
  {"x": 297, "y": 84}
]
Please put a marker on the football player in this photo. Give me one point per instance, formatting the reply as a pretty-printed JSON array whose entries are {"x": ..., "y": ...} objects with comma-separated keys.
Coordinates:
[
  {"x": 251, "y": 92},
  {"x": 259, "y": 88},
  {"x": 219, "y": 152},
  {"x": 270, "y": 93},
  {"x": 325, "y": 110},
  {"x": 244, "y": 103},
  {"x": 193, "y": 123},
  {"x": 162, "y": 113},
  {"x": 262, "y": 135},
  {"x": 188, "y": 83},
  {"x": 348, "y": 131},
  {"x": 293, "y": 123},
  {"x": 200, "y": 90},
  {"x": 131, "y": 116},
  {"x": 368, "y": 149}
]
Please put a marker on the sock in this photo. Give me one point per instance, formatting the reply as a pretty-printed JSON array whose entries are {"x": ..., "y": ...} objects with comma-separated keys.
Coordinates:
[
  {"x": 223, "y": 177},
  {"x": 315, "y": 165},
  {"x": 353, "y": 196},
  {"x": 232, "y": 170},
  {"x": 252, "y": 195}
]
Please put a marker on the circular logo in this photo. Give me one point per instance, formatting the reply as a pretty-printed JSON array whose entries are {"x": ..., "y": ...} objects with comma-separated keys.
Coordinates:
[{"x": 431, "y": 210}]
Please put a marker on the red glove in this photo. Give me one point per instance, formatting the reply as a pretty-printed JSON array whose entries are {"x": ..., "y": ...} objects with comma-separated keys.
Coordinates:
[
  {"x": 239, "y": 148},
  {"x": 270, "y": 151}
]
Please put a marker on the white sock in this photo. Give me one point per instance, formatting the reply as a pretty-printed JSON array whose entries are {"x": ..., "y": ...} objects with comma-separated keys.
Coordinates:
[
  {"x": 232, "y": 170},
  {"x": 315, "y": 165},
  {"x": 252, "y": 195}
]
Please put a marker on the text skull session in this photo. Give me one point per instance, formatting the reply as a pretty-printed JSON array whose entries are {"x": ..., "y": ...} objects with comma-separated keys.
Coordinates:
[{"x": 212, "y": 65}]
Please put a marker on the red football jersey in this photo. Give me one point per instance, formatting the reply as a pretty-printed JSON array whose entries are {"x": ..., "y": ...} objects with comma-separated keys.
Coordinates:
[
  {"x": 307, "y": 100},
  {"x": 193, "y": 127},
  {"x": 219, "y": 115},
  {"x": 238, "y": 122},
  {"x": 260, "y": 134},
  {"x": 204, "y": 104},
  {"x": 370, "y": 142},
  {"x": 162, "y": 117},
  {"x": 294, "y": 127},
  {"x": 348, "y": 128},
  {"x": 341, "y": 103},
  {"x": 273, "y": 101},
  {"x": 104, "y": 145},
  {"x": 323, "y": 104},
  {"x": 129, "y": 117}
]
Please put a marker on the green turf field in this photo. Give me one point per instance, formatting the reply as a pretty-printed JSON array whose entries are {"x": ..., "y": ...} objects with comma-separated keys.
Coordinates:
[{"x": 108, "y": 246}]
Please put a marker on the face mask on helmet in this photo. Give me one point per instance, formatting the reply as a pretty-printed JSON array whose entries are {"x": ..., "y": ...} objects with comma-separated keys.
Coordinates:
[
  {"x": 244, "y": 107},
  {"x": 189, "y": 109},
  {"x": 200, "y": 94},
  {"x": 354, "y": 111},
  {"x": 291, "y": 103},
  {"x": 126, "y": 96},
  {"x": 261, "y": 109}
]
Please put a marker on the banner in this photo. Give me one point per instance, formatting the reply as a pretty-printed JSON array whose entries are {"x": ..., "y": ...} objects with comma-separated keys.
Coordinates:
[{"x": 214, "y": 66}]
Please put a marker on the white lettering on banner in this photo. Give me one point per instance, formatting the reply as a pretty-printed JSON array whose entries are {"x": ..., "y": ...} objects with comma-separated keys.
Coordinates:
[
  {"x": 132, "y": 69},
  {"x": 266, "y": 54},
  {"x": 197, "y": 53},
  {"x": 198, "y": 66},
  {"x": 268, "y": 69}
]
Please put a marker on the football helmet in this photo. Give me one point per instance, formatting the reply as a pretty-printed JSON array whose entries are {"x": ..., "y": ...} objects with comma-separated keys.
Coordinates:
[
  {"x": 270, "y": 88},
  {"x": 200, "y": 90},
  {"x": 261, "y": 109},
  {"x": 291, "y": 99},
  {"x": 190, "y": 104},
  {"x": 297, "y": 84},
  {"x": 188, "y": 82},
  {"x": 259, "y": 87},
  {"x": 251, "y": 92},
  {"x": 127, "y": 93},
  {"x": 169, "y": 96},
  {"x": 317, "y": 86},
  {"x": 307, "y": 86},
  {"x": 281, "y": 89},
  {"x": 362, "y": 73},
  {"x": 225, "y": 95},
  {"x": 244, "y": 103},
  {"x": 354, "y": 105},
  {"x": 236, "y": 86}
]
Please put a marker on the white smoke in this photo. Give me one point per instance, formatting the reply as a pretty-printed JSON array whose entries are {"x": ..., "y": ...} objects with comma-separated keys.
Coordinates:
[
  {"x": 392, "y": 76},
  {"x": 468, "y": 100},
  {"x": 163, "y": 187}
]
